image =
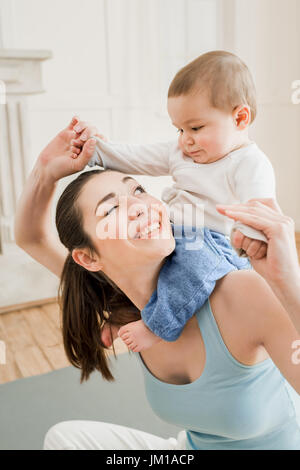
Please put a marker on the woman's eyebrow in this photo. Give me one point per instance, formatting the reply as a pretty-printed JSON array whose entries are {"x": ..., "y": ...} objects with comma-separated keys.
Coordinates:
[{"x": 110, "y": 195}]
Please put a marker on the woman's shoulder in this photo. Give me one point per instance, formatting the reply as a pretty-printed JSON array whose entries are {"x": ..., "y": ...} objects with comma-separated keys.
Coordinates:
[
  {"x": 239, "y": 286},
  {"x": 238, "y": 305}
]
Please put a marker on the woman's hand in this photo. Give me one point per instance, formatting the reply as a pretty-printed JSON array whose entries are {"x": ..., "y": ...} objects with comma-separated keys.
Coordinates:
[
  {"x": 280, "y": 265},
  {"x": 84, "y": 131},
  {"x": 59, "y": 160}
]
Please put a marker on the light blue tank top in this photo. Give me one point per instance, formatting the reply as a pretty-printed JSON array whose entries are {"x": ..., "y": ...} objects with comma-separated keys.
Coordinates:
[{"x": 231, "y": 405}]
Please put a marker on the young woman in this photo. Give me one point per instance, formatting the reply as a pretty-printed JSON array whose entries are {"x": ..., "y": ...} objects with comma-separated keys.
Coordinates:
[{"x": 224, "y": 380}]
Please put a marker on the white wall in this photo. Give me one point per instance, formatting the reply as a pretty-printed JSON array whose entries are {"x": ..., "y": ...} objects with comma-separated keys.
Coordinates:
[
  {"x": 112, "y": 63},
  {"x": 266, "y": 34},
  {"x": 113, "y": 60}
]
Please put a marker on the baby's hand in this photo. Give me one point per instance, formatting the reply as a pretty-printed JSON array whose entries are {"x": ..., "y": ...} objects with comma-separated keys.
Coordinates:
[
  {"x": 255, "y": 249},
  {"x": 84, "y": 131},
  {"x": 137, "y": 336}
]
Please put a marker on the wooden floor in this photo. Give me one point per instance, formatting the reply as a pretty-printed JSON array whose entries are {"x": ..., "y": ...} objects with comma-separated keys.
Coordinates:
[{"x": 33, "y": 341}]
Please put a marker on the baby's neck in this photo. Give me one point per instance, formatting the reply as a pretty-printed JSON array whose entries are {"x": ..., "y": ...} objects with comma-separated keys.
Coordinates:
[
  {"x": 233, "y": 148},
  {"x": 241, "y": 139},
  {"x": 240, "y": 145}
]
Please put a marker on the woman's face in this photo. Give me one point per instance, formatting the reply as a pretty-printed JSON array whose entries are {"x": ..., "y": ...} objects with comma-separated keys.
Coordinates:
[{"x": 127, "y": 225}]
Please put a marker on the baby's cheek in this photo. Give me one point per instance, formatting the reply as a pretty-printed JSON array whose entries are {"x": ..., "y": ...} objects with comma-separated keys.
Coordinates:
[
  {"x": 221, "y": 142},
  {"x": 204, "y": 142},
  {"x": 180, "y": 144}
]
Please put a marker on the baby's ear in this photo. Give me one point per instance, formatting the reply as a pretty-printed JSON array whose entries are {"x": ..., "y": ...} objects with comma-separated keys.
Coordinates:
[{"x": 242, "y": 116}]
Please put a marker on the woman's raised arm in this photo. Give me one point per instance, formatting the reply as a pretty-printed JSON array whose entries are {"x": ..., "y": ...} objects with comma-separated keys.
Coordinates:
[
  {"x": 280, "y": 266},
  {"x": 33, "y": 230}
]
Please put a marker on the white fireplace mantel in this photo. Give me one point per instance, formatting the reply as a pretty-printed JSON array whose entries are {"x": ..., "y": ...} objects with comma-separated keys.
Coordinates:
[
  {"x": 21, "y": 71},
  {"x": 20, "y": 76}
]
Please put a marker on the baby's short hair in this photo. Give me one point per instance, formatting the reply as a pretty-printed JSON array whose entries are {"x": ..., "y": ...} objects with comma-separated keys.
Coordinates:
[{"x": 224, "y": 75}]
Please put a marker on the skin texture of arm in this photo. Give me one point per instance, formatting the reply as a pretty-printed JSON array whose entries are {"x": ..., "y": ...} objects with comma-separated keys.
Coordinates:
[
  {"x": 254, "y": 314},
  {"x": 33, "y": 231}
]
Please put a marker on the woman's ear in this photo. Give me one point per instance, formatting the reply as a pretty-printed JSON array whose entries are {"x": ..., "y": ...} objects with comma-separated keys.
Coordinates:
[
  {"x": 86, "y": 259},
  {"x": 242, "y": 116}
]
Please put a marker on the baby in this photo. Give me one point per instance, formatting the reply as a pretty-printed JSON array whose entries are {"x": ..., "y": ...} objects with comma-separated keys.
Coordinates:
[{"x": 212, "y": 102}]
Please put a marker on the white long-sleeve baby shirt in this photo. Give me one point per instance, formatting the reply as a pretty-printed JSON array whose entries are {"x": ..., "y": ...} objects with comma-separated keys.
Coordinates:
[{"x": 241, "y": 175}]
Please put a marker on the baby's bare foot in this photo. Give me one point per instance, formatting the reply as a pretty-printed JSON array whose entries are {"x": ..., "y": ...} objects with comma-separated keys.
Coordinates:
[{"x": 137, "y": 336}]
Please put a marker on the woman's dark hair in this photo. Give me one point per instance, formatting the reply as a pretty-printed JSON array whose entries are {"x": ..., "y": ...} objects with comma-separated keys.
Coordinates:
[{"x": 87, "y": 299}]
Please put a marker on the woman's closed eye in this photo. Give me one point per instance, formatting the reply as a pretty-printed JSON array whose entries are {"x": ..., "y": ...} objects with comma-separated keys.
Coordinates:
[{"x": 139, "y": 187}]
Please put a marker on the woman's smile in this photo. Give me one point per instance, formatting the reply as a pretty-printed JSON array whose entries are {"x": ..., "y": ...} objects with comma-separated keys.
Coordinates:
[{"x": 149, "y": 230}]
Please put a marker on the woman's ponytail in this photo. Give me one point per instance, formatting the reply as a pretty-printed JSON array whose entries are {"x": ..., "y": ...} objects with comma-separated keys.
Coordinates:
[{"x": 79, "y": 298}]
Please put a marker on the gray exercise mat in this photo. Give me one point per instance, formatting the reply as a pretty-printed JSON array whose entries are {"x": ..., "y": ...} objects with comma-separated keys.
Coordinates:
[{"x": 30, "y": 406}]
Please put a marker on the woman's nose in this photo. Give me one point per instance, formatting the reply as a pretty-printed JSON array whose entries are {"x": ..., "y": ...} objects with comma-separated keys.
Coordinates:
[
  {"x": 130, "y": 205},
  {"x": 136, "y": 210}
]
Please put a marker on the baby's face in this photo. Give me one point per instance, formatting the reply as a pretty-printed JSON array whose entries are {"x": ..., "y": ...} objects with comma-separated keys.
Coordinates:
[{"x": 206, "y": 134}]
